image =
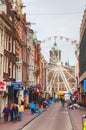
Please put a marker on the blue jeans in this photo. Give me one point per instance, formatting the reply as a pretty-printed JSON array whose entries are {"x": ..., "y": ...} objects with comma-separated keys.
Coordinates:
[
  {"x": 14, "y": 116},
  {"x": 20, "y": 116}
]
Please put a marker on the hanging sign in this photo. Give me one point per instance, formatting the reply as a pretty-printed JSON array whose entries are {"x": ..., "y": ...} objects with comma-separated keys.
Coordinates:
[
  {"x": 16, "y": 83},
  {"x": 85, "y": 85},
  {"x": 2, "y": 86}
]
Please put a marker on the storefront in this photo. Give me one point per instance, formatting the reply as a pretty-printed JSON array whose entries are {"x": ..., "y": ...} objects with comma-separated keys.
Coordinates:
[{"x": 15, "y": 92}]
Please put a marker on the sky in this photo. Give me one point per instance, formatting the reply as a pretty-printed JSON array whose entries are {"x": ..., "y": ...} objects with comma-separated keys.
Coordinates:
[{"x": 51, "y": 18}]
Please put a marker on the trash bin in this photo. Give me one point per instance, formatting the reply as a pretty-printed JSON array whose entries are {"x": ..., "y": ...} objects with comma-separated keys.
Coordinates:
[{"x": 84, "y": 122}]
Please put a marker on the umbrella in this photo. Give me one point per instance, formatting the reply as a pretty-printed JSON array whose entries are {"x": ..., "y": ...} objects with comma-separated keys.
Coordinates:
[{"x": 60, "y": 93}]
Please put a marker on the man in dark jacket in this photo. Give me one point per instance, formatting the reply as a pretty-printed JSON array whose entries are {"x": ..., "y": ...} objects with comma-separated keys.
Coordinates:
[
  {"x": 6, "y": 112},
  {"x": 15, "y": 112}
]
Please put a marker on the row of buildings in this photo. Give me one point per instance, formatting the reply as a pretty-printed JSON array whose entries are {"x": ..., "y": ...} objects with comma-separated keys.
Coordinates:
[
  {"x": 81, "y": 58},
  {"x": 22, "y": 66}
]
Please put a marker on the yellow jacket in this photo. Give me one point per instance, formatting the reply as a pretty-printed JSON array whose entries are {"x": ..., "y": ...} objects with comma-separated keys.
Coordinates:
[{"x": 20, "y": 108}]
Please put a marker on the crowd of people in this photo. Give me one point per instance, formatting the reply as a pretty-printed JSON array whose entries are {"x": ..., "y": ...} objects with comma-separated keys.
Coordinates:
[{"x": 13, "y": 112}]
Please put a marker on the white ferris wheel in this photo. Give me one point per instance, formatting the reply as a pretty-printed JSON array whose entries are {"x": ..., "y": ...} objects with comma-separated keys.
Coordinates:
[{"x": 61, "y": 77}]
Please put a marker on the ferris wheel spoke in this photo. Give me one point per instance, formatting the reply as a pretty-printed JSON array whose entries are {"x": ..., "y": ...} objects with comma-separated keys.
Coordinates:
[
  {"x": 68, "y": 72},
  {"x": 71, "y": 76},
  {"x": 65, "y": 80},
  {"x": 69, "y": 68},
  {"x": 53, "y": 69},
  {"x": 51, "y": 81}
]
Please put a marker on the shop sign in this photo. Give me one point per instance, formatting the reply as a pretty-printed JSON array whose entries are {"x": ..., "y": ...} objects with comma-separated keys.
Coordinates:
[
  {"x": 16, "y": 83},
  {"x": 85, "y": 85},
  {"x": 2, "y": 86},
  {"x": 18, "y": 87}
]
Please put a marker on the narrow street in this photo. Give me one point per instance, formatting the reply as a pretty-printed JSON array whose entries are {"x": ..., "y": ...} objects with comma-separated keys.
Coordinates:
[{"x": 55, "y": 117}]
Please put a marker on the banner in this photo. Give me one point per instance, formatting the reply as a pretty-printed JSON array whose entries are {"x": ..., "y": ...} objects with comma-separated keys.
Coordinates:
[{"x": 2, "y": 86}]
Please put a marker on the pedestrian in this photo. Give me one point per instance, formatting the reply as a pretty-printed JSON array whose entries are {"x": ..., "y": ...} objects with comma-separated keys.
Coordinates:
[
  {"x": 11, "y": 112},
  {"x": 6, "y": 112},
  {"x": 62, "y": 101},
  {"x": 15, "y": 112},
  {"x": 20, "y": 111},
  {"x": 32, "y": 107},
  {"x": 45, "y": 103},
  {"x": 40, "y": 101}
]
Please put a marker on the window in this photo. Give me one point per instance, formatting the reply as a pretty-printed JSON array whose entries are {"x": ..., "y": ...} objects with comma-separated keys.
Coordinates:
[
  {"x": 10, "y": 70},
  {"x": 5, "y": 64},
  {"x": 13, "y": 47},
  {"x": 10, "y": 44},
  {"x": 0, "y": 64},
  {"x": 14, "y": 71},
  {"x": 1, "y": 36}
]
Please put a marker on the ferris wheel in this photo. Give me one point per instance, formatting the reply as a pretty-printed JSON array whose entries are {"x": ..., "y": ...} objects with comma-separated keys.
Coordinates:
[{"x": 61, "y": 77}]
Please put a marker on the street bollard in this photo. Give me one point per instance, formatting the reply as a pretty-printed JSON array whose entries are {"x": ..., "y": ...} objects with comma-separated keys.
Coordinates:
[{"x": 84, "y": 122}]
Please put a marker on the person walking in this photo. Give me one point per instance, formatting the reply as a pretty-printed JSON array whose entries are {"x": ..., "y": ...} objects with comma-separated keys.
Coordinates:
[
  {"x": 20, "y": 111},
  {"x": 40, "y": 101},
  {"x": 32, "y": 107},
  {"x": 15, "y": 112},
  {"x": 62, "y": 101},
  {"x": 6, "y": 112},
  {"x": 11, "y": 112}
]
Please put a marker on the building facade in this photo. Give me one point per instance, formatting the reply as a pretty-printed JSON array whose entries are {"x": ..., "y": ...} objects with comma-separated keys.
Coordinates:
[{"x": 82, "y": 57}]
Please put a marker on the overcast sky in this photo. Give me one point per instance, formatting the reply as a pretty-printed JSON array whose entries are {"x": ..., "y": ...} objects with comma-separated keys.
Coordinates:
[{"x": 56, "y": 18}]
